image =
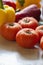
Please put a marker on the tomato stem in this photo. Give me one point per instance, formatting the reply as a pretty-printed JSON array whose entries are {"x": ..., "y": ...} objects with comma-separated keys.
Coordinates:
[
  {"x": 29, "y": 32},
  {"x": 1, "y": 4},
  {"x": 26, "y": 20},
  {"x": 11, "y": 24}
]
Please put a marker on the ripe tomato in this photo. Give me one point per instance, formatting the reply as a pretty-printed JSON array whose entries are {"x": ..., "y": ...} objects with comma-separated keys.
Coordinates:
[
  {"x": 41, "y": 43},
  {"x": 28, "y": 22},
  {"x": 27, "y": 38},
  {"x": 9, "y": 31},
  {"x": 39, "y": 30}
]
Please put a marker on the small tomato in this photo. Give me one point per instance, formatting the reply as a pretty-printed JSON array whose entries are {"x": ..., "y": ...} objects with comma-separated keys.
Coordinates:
[{"x": 9, "y": 30}]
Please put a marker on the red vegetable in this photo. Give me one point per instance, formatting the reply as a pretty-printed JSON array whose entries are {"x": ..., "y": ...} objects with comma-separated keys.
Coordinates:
[
  {"x": 30, "y": 11},
  {"x": 9, "y": 31},
  {"x": 27, "y": 38},
  {"x": 28, "y": 22},
  {"x": 10, "y": 3},
  {"x": 41, "y": 43}
]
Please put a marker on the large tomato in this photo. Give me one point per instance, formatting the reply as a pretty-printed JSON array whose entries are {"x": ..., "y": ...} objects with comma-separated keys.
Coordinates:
[
  {"x": 39, "y": 30},
  {"x": 41, "y": 43},
  {"x": 9, "y": 31},
  {"x": 27, "y": 38},
  {"x": 28, "y": 22}
]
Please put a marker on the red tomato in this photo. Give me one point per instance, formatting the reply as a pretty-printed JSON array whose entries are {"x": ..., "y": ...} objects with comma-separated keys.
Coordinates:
[
  {"x": 9, "y": 31},
  {"x": 39, "y": 30},
  {"x": 27, "y": 38},
  {"x": 41, "y": 43},
  {"x": 28, "y": 22}
]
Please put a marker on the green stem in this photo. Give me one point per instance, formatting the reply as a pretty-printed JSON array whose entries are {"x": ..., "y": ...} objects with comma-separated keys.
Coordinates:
[
  {"x": 1, "y": 4},
  {"x": 21, "y": 2}
]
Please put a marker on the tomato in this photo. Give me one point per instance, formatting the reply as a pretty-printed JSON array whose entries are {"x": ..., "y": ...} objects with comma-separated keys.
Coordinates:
[
  {"x": 9, "y": 30},
  {"x": 41, "y": 43},
  {"x": 39, "y": 30},
  {"x": 28, "y": 22},
  {"x": 27, "y": 38}
]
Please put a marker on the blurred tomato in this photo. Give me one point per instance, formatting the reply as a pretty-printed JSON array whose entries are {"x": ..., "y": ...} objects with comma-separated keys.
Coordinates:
[
  {"x": 9, "y": 31},
  {"x": 39, "y": 30},
  {"x": 41, "y": 43},
  {"x": 28, "y": 22},
  {"x": 27, "y": 38}
]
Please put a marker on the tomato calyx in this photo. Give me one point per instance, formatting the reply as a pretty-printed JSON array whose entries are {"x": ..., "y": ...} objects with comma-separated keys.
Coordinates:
[
  {"x": 28, "y": 32},
  {"x": 21, "y": 2},
  {"x": 41, "y": 29},
  {"x": 11, "y": 24},
  {"x": 26, "y": 20}
]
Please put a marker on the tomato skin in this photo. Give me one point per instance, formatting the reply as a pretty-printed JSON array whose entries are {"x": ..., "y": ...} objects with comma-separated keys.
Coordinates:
[
  {"x": 27, "y": 39},
  {"x": 28, "y": 22},
  {"x": 41, "y": 43},
  {"x": 9, "y": 31},
  {"x": 39, "y": 30}
]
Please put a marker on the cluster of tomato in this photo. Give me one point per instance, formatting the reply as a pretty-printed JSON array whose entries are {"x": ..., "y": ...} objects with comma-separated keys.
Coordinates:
[{"x": 26, "y": 32}]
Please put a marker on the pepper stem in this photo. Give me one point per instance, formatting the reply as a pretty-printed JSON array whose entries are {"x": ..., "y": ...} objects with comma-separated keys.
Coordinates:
[
  {"x": 21, "y": 2},
  {"x": 1, "y": 4}
]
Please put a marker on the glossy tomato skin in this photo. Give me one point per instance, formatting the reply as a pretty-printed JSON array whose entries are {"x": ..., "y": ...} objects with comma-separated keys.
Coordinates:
[
  {"x": 39, "y": 30},
  {"x": 28, "y": 22},
  {"x": 27, "y": 38},
  {"x": 9, "y": 31},
  {"x": 41, "y": 43}
]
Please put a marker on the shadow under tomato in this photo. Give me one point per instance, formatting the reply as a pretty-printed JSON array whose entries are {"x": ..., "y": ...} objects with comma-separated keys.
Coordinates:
[
  {"x": 7, "y": 45},
  {"x": 28, "y": 54},
  {"x": 12, "y": 46}
]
